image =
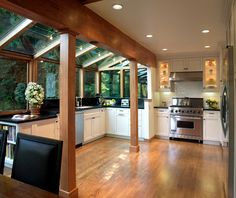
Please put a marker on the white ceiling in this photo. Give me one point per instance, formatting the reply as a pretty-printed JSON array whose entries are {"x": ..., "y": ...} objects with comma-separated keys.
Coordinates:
[{"x": 175, "y": 24}]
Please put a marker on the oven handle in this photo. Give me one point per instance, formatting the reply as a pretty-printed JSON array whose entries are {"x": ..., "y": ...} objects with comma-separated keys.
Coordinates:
[{"x": 185, "y": 117}]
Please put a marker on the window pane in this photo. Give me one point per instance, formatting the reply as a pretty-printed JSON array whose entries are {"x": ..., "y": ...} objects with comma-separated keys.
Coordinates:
[
  {"x": 9, "y": 20},
  {"x": 48, "y": 74},
  {"x": 77, "y": 93},
  {"x": 126, "y": 83},
  {"x": 89, "y": 83},
  {"x": 33, "y": 40},
  {"x": 54, "y": 54},
  {"x": 142, "y": 83},
  {"x": 110, "y": 83},
  {"x": 13, "y": 79}
]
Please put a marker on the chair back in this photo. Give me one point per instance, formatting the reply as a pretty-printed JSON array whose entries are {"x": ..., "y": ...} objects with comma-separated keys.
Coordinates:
[
  {"x": 3, "y": 144},
  {"x": 37, "y": 161}
]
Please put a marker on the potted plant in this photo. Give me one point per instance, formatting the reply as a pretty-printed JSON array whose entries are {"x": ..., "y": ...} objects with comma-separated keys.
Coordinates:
[
  {"x": 212, "y": 104},
  {"x": 34, "y": 94}
]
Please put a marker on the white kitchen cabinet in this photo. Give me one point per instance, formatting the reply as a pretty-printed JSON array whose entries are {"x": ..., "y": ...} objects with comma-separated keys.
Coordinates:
[
  {"x": 123, "y": 122},
  {"x": 212, "y": 127},
  {"x": 94, "y": 123},
  {"x": 111, "y": 120},
  {"x": 162, "y": 122},
  {"x": 186, "y": 65}
]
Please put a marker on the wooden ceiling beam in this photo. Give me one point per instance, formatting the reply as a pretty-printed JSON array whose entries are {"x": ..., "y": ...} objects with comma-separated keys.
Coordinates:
[
  {"x": 84, "y": 2},
  {"x": 71, "y": 15},
  {"x": 15, "y": 32}
]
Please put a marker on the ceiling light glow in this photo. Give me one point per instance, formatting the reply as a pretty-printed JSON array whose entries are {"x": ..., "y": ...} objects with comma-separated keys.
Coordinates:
[
  {"x": 117, "y": 6},
  {"x": 164, "y": 49},
  {"x": 207, "y": 46},
  {"x": 149, "y": 36},
  {"x": 205, "y": 31}
]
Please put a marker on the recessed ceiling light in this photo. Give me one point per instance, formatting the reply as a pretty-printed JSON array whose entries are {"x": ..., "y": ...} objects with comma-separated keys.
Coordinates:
[
  {"x": 205, "y": 31},
  {"x": 149, "y": 36},
  {"x": 117, "y": 6},
  {"x": 164, "y": 49},
  {"x": 207, "y": 46}
]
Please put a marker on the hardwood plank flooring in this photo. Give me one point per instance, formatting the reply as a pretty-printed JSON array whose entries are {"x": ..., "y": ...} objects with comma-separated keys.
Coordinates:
[{"x": 162, "y": 169}]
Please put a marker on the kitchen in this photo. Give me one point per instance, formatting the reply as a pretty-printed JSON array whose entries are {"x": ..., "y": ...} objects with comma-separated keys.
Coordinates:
[{"x": 160, "y": 86}]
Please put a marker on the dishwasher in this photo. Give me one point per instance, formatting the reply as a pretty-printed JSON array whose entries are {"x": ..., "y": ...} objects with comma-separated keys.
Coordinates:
[{"x": 79, "y": 128}]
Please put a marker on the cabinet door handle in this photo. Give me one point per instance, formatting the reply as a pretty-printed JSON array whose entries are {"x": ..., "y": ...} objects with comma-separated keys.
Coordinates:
[
  {"x": 121, "y": 114},
  {"x": 212, "y": 113}
]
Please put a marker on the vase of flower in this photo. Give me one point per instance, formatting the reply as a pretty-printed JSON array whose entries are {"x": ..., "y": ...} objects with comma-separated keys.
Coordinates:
[{"x": 34, "y": 94}]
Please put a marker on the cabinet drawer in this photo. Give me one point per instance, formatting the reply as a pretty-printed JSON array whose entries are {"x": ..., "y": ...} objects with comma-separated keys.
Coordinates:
[
  {"x": 211, "y": 114},
  {"x": 122, "y": 111}
]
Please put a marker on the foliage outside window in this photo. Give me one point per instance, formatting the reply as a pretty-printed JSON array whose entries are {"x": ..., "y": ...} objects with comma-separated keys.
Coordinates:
[
  {"x": 13, "y": 80},
  {"x": 48, "y": 77},
  {"x": 89, "y": 84},
  {"x": 142, "y": 83},
  {"x": 110, "y": 83}
]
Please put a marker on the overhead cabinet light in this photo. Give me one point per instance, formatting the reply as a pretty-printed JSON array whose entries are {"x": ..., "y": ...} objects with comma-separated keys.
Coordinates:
[
  {"x": 207, "y": 46},
  {"x": 117, "y": 6},
  {"x": 164, "y": 49},
  {"x": 205, "y": 31},
  {"x": 149, "y": 35}
]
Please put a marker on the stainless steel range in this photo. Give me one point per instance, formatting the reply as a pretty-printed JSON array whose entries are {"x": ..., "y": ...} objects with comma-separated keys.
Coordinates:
[{"x": 186, "y": 118}]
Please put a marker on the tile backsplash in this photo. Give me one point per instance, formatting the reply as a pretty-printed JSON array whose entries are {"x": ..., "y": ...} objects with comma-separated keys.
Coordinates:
[{"x": 193, "y": 89}]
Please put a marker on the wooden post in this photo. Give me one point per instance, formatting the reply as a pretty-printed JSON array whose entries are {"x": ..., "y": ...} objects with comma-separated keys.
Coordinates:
[
  {"x": 134, "y": 146},
  {"x": 121, "y": 83},
  {"x": 33, "y": 70},
  {"x": 67, "y": 115}
]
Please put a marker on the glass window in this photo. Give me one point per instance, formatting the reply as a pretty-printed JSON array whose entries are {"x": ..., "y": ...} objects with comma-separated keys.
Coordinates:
[
  {"x": 48, "y": 77},
  {"x": 13, "y": 80},
  {"x": 77, "y": 87},
  {"x": 89, "y": 83},
  {"x": 142, "y": 83},
  {"x": 9, "y": 20},
  {"x": 126, "y": 83},
  {"x": 36, "y": 38},
  {"x": 54, "y": 54},
  {"x": 110, "y": 83}
]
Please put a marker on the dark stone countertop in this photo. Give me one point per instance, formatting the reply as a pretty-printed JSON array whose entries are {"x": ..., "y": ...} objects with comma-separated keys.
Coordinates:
[
  {"x": 98, "y": 107},
  {"x": 40, "y": 117},
  {"x": 206, "y": 109},
  {"x": 159, "y": 107}
]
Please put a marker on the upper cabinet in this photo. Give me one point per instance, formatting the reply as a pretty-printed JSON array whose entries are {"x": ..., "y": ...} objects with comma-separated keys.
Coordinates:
[
  {"x": 210, "y": 74},
  {"x": 186, "y": 65},
  {"x": 164, "y": 69}
]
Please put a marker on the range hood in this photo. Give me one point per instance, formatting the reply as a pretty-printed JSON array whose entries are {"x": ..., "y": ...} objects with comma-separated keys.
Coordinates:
[{"x": 186, "y": 76}]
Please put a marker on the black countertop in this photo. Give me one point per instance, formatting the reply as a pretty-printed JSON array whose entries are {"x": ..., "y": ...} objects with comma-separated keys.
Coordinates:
[
  {"x": 159, "y": 107},
  {"x": 206, "y": 109},
  {"x": 98, "y": 107},
  {"x": 40, "y": 117}
]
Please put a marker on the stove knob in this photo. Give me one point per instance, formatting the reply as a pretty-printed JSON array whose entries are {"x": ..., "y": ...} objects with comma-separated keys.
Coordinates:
[
  {"x": 176, "y": 111},
  {"x": 190, "y": 111},
  {"x": 194, "y": 111},
  {"x": 182, "y": 111},
  {"x": 199, "y": 112},
  {"x": 187, "y": 111},
  {"x": 172, "y": 111}
]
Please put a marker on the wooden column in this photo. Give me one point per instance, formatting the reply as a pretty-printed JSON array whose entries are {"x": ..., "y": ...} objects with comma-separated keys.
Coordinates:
[
  {"x": 121, "y": 83},
  {"x": 33, "y": 71},
  {"x": 134, "y": 146},
  {"x": 67, "y": 115}
]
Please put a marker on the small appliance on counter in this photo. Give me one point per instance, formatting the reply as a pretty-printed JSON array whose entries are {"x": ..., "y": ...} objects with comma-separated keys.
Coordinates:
[{"x": 124, "y": 103}]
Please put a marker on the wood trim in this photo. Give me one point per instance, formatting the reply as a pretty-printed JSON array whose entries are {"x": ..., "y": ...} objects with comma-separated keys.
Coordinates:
[
  {"x": 85, "y": 50},
  {"x": 33, "y": 71},
  {"x": 84, "y": 2},
  {"x": 106, "y": 66},
  {"x": 67, "y": 78},
  {"x": 81, "y": 83},
  {"x": 122, "y": 83},
  {"x": 98, "y": 58},
  {"x": 88, "y": 25},
  {"x": 134, "y": 143},
  {"x": 15, "y": 55}
]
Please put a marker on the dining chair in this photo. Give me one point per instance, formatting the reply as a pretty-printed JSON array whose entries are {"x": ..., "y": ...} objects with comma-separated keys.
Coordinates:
[
  {"x": 37, "y": 161},
  {"x": 3, "y": 144}
]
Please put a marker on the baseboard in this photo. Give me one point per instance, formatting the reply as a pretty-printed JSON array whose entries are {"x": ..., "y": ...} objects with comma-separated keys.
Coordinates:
[
  {"x": 72, "y": 194},
  {"x": 210, "y": 142},
  {"x": 162, "y": 137}
]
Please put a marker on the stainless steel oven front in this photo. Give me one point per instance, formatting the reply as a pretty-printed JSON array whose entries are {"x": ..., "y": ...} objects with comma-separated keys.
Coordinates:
[{"x": 188, "y": 127}]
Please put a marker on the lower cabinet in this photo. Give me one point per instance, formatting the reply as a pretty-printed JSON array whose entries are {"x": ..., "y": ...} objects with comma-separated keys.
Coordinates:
[
  {"x": 44, "y": 128},
  {"x": 94, "y": 124},
  {"x": 212, "y": 126},
  {"x": 123, "y": 122},
  {"x": 162, "y": 122}
]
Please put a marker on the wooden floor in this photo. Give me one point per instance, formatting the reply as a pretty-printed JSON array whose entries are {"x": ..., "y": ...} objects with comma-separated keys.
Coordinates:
[{"x": 162, "y": 169}]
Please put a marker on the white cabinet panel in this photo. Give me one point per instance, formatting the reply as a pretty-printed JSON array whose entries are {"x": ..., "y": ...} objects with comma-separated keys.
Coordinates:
[
  {"x": 178, "y": 65},
  {"x": 111, "y": 120},
  {"x": 212, "y": 126},
  {"x": 87, "y": 128},
  {"x": 122, "y": 123},
  {"x": 162, "y": 122},
  {"x": 186, "y": 65},
  {"x": 96, "y": 126}
]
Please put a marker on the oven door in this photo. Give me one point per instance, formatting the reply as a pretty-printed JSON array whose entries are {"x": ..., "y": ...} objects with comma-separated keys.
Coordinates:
[{"x": 190, "y": 126}]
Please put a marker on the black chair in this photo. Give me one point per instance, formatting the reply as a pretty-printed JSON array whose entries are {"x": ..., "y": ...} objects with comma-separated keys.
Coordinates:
[
  {"x": 3, "y": 144},
  {"x": 37, "y": 161}
]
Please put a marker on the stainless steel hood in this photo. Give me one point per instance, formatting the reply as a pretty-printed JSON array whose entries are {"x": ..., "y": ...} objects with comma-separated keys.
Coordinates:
[{"x": 186, "y": 76}]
